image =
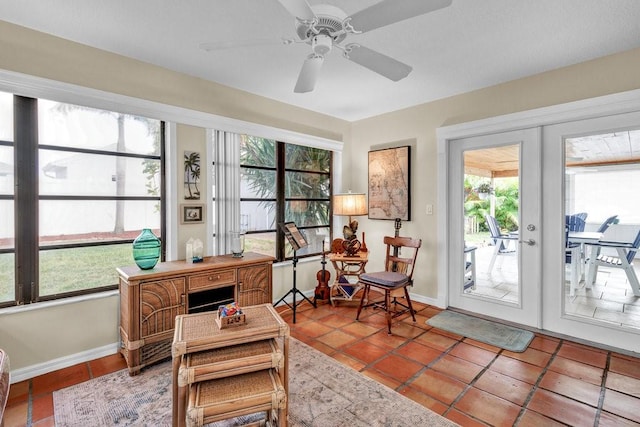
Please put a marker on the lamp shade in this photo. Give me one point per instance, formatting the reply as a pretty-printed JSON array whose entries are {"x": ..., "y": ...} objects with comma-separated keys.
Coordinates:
[{"x": 350, "y": 204}]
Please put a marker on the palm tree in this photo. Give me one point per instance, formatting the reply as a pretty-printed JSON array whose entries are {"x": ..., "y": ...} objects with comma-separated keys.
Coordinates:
[{"x": 192, "y": 173}]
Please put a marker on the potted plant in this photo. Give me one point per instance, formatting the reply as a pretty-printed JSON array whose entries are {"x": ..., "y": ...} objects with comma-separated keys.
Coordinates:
[{"x": 483, "y": 190}]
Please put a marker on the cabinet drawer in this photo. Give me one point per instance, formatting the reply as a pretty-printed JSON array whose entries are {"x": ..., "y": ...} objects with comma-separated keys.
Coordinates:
[{"x": 213, "y": 279}]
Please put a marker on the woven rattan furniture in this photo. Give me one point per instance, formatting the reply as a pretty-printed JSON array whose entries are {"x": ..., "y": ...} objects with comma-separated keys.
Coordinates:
[
  {"x": 5, "y": 380},
  {"x": 201, "y": 351},
  {"x": 229, "y": 397},
  {"x": 151, "y": 299}
]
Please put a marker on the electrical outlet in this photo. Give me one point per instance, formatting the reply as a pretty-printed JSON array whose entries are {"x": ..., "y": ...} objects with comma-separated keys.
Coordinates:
[{"x": 429, "y": 209}]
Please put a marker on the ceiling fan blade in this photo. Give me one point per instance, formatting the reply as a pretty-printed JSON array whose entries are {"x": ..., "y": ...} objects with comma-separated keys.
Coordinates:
[
  {"x": 377, "y": 62},
  {"x": 309, "y": 74},
  {"x": 299, "y": 8},
  {"x": 391, "y": 11}
]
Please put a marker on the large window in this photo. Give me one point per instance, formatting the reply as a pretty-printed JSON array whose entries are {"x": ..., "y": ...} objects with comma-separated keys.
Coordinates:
[
  {"x": 90, "y": 181},
  {"x": 279, "y": 183}
]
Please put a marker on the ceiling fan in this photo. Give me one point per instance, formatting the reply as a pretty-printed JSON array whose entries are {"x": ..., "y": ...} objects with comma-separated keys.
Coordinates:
[{"x": 324, "y": 27}]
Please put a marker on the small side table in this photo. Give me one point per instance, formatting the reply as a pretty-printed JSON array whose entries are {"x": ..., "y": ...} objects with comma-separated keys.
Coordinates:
[{"x": 346, "y": 267}]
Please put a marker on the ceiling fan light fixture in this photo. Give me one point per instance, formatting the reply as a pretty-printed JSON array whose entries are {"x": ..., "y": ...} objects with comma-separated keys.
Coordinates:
[{"x": 321, "y": 44}]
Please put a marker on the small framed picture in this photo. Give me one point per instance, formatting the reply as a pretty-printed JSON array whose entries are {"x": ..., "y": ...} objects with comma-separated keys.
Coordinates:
[{"x": 192, "y": 214}]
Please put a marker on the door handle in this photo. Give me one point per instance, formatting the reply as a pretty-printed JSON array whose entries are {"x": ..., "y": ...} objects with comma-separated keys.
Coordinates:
[{"x": 529, "y": 242}]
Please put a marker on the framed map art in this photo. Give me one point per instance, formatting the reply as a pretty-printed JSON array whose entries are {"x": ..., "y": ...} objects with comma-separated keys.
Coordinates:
[{"x": 390, "y": 183}]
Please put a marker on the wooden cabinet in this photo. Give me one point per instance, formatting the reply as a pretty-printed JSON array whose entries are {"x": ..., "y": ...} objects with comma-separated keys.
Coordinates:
[{"x": 150, "y": 300}]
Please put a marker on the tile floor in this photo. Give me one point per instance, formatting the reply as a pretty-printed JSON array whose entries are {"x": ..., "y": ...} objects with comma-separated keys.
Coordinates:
[{"x": 554, "y": 382}]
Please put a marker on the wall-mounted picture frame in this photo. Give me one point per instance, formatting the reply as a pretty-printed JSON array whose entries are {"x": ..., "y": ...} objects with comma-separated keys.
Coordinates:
[
  {"x": 191, "y": 175},
  {"x": 390, "y": 183},
  {"x": 191, "y": 214}
]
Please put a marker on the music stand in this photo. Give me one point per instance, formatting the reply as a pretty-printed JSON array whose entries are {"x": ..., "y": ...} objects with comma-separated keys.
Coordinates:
[{"x": 297, "y": 241}]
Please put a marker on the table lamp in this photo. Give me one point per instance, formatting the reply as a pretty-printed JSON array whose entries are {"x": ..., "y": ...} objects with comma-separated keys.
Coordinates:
[{"x": 350, "y": 204}]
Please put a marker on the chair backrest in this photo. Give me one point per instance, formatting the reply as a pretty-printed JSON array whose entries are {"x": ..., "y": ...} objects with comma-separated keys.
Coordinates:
[
  {"x": 608, "y": 222},
  {"x": 494, "y": 228},
  {"x": 576, "y": 222},
  {"x": 631, "y": 253},
  {"x": 396, "y": 260}
]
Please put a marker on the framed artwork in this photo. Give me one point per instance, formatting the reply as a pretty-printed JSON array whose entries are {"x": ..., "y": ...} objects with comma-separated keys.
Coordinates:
[
  {"x": 390, "y": 183},
  {"x": 192, "y": 214},
  {"x": 191, "y": 175}
]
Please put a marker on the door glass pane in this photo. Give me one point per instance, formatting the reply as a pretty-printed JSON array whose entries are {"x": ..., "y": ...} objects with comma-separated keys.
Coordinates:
[
  {"x": 602, "y": 219},
  {"x": 491, "y": 192}
]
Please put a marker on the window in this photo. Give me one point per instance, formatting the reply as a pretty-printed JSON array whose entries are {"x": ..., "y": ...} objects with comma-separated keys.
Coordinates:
[
  {"x": 7, "y": 250},
  {"x": 97, "y": 184},
  {"x": 283, "y": 182}
]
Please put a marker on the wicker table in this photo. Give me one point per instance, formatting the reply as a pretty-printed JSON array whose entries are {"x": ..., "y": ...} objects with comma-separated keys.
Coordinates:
[
  {"x": 199, "y": 332},
  {"x": 346, "y": 266}
]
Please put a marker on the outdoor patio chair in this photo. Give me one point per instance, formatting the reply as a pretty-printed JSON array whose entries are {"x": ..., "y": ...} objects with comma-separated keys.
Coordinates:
[
  {"x": 607, "y": 223},
  {"x": 500, "y": 240},
  {"x": 576, "y": 222},
  {"x": 626, "y": 252},
  {"x": 573, "y": 258}
]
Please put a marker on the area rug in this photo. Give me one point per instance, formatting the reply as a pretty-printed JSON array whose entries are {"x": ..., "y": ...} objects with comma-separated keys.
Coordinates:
[
  {"x": 322, "y": 392},
  {"x": 486, "y": 331}
]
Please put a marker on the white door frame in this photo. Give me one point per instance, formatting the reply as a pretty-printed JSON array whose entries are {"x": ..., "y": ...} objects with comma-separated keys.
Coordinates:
[{"x": 590, "y": 108}]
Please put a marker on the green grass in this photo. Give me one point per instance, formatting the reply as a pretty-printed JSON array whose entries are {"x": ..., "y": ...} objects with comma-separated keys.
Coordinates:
[{"x": 66, "y": 270}]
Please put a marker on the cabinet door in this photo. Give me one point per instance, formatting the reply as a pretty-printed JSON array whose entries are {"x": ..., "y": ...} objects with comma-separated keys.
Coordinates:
[
  {"x": 254, "y": 285},
  {"x": 160, "y": 302}
]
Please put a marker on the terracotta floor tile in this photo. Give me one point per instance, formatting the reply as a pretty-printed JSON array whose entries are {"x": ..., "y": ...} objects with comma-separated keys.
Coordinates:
[
  {"x": 56, "y": 380},
  {"x": 378, "y": 376},
  {"x": 562, "y": 408},
  {"x": 384, "y": 340},
  {"x": 482, "y": 345},
  {"x": 406, "y": 329},
  {"x": 530, "y": 355},
  {"x": 322, "y": 347},
  {"x": 421, "y": 321},
  {"x": 398, "y": 367},
  {"x": 578, "y": 370},
  {"x": 611, "y": 420},
  {"x": 534, "y": 419},
  {"x": 334, "y": 320},
  {"x": 439, "y": 386},
  {"x": 583, "y": 354},
  {"x": 473, "y": 354},
  {"x": 571, "y": 387},
  {"x": 419, "y": 352},
  {"x": 436, "y": 340},
  {"x": 429, "y": 311},
  {"x": 359, "y": 329},
  {"x": 463, "y": 419},
  {"x": 349, "y": 361},
  {"x": 16, "y": 415},
  {"x": 337, "y": 339},
  {"x": 365, "y": 351},
  {"x": 106, "y": 365},
  {"x": 424, "y": 400},
  {"x": 546, "y": 344},
  {"x": 19, "y": 392},
  {"x": 508, "y": 388},
  {"x": 457, "y": 368},
  {"x": 622, "y": 404},
  {"x": 625, "y": 366},
  {"x": 448, "y": 334},
  {"x": 624, "y": 384},
  {"x": 42, "y": 407},
  {"x": 313, "y": 329},
  {"x": 47, "y": 422},
  {"x": 516, "y": 369},
  {"x": 488, "y": 408}
]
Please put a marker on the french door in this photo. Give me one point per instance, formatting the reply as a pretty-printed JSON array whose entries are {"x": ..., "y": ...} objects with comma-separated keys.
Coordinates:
[{"x": 486, "y": 275}]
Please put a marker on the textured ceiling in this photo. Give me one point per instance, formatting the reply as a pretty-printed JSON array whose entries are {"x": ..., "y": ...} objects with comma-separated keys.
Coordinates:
[{"x": 470, "y": 45}]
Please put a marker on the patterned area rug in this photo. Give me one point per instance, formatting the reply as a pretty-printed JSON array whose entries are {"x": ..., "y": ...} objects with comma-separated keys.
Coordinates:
[
  {"x": 322, "y": 392},
  {"x": 497, "y": 334}
]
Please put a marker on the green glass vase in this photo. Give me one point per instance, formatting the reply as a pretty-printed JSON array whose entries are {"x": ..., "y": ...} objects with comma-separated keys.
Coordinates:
[{"x": 146, "y": 249}]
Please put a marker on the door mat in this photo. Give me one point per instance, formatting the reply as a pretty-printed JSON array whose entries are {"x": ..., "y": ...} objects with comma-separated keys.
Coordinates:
[{"x": 486, "y": 331}]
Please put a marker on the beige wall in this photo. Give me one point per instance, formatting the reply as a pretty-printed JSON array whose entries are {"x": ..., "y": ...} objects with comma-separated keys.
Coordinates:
[{"x": 39, "y": 335}]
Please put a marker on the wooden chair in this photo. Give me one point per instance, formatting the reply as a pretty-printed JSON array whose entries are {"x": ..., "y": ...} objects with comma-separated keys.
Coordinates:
[{"x": 396, "y": 277}]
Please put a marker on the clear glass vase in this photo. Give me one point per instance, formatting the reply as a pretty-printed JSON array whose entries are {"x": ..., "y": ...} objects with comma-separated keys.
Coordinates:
[{"x": 146, "y": 250}]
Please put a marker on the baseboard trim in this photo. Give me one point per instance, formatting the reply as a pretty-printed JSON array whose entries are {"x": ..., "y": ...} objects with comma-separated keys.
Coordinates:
[{"x": 62, "y": 362}]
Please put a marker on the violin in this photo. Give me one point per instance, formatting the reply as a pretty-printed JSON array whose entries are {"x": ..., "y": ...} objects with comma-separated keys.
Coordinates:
[{"x": 323, "y": 276}]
